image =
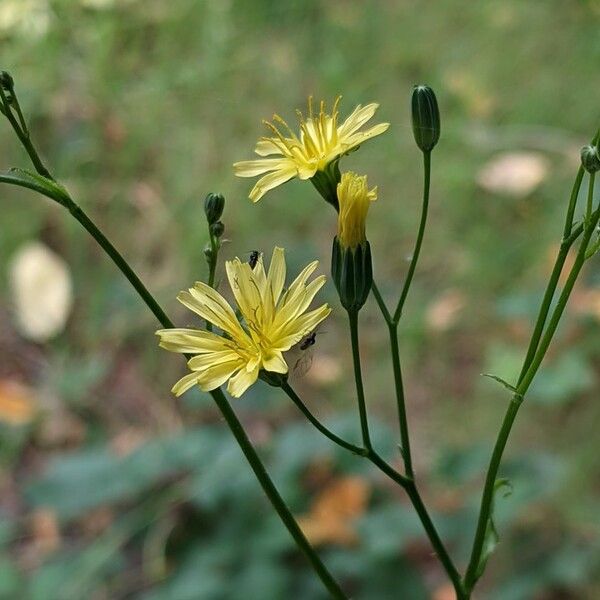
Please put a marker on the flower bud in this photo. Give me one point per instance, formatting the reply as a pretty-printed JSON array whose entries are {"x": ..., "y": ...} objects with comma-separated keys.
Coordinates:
[
  {"x": 590, "y": 159},
  {"x": 208, "y": 252},
  {"x": 217, "y": 229},
  {"x": 6, "y": 81},
  {"x": 213, "y": 207},
  {"x": 425, "y": 117},
  {"x": 352, "y": 273}
]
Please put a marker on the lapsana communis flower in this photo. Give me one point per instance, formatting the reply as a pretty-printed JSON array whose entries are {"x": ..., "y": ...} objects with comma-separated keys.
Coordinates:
[
  {"x": 321, "y": 141},
  {"x": 272, "y": 321},
  {"x": 354, "y": 198},
  {"x": 351, "y": 266}
]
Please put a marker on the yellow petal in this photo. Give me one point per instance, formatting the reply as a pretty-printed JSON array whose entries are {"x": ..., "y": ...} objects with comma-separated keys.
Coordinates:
[
  {"x": 216, "y": 375},
  {"x": 274, "y": 362},
  {"x": 210, "y": 305},
  {"x": 241, "y": 381},
  {"x": 296, "y": 329},
  {"x": 267, "y": 147},
  {"x": 296, "y": 306},
  {"x": 272, "y": 180},
  {"x": 185, "y": 383},
  {"x": 193, "y": 341},
  {"x": 252, "y": 168},
  {"x": 204, "y": 361},
  {"x": 362, "y": 136},
  {"x": 359, "y": 116},
  {"x": 245, "y": 290},
  {"x": 276, "y": 276}
]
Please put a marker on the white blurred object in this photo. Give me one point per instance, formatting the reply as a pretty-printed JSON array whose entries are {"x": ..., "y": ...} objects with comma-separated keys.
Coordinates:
[
  {"x": 42, "y": 291},
  {"x": 27, "y": 17},
  {"x": 514, "y": 173}
]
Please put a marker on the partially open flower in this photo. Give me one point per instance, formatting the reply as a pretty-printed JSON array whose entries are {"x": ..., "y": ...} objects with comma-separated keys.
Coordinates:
[
  {"x": 320, "y": 143},
  {"x": 272, "y": 321},
  {"x": 351, "y": 266}
]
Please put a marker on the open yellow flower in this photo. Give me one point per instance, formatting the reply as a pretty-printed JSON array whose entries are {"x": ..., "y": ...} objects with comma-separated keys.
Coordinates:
[
  {"x": 272, "y": 321},
  {"x": 321, "y": 141},
  {"x": 354, "y": 198}
]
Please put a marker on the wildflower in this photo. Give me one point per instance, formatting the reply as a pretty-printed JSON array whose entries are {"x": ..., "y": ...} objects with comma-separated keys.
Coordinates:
[
  {"x": 321, "y": 142},
  {"x": 351, "y": 265},
  {"x": 354, "y": 198},
  {"x": 272, "y": 321}
]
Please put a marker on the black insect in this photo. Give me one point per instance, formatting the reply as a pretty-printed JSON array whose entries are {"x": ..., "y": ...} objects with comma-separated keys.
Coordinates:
[
  {"x": 253, "y": 260},
  {"x": 308, "y": 341}
]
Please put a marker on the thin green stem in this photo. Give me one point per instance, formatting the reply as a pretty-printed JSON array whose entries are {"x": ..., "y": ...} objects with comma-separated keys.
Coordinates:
[
  {"x": 420, "y": 235},
  {"x": 275, "y": 498},
  {"x": 401, "y": 480},
  {"x": 521, "y": 390},
  {"x": 400, "y": 400},
  {"x": 398, "y": 382},
  {"x": 212, "y": 267},
  {"x": 438, "y": 545},
  {"x": 287, "y": 388},
  {"x": 24, "y": 137},
  {"x": 360, "y": 392},
  {"x": 381, "y": 303}
]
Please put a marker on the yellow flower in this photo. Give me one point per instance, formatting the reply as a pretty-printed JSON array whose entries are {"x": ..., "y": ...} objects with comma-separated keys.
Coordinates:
[
  {"x": 320, "y": 142},
  {"x": 354, "y": 199},
  {"x": 272, "y": 321}
]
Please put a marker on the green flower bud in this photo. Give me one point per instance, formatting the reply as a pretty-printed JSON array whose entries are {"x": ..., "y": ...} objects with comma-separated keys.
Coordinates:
[
  {"x": 6, "y": 81},
  {"x": 276, "y": 380},
  {"x": 213, "y": 207},
  {"x": 217, "y": 229},
  {"x": 352, "y": 273},
  {"x": 425, "y": 117},
  {"x": 208, "y": 253},
  {"x": 590, "y": 159}
]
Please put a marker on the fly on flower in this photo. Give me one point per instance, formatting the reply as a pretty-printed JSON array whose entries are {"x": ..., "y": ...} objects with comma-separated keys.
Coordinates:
[
  {"x": 272, "y": 321},
  {"x": 320, "y": 142},
  {"x": 300, "y": 356}
]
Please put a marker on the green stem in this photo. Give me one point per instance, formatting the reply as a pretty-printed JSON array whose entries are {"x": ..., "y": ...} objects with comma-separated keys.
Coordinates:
[
  {"x": 522, "y": 387},
  {"x": 401, "y": 480},
  {"x": 420, "y": 235},
  {"x": 360, "y": 392},
  {"x": 275, "y": 498},
  {"x": 23, "y": 135},
  {"x": 287, "y": 388},
  {"x": 438, "y": 545},
  {"x": 561, "y": 258},
  {"x": 236, "y": 428},
  {"x": 212, "y": 267},
  {"x": 398, "y": 382},
  {"x": 400, "y": 400}
]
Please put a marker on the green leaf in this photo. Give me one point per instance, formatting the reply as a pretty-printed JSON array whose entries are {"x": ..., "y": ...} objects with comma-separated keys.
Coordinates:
[
  {"x": 507, "y": 385},
  {"x": 52, "y": 188},
  {"x": 492, "y": 538}
]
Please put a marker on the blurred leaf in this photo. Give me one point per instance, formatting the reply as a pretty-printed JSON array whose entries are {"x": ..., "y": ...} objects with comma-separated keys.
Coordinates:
[
  {"x": 491, "y": 538},
  {"x": 563, "y": 379}
]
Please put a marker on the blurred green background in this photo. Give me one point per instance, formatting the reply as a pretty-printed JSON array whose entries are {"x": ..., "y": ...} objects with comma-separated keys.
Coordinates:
[{"x": 141, "y": 107}]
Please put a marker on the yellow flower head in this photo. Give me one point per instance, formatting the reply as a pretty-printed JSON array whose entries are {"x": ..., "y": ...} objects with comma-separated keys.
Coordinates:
[
  {"x": 321, "y": 140},
  {"x": 354, "y": 198},
  {"x": 272, "y": 321}
]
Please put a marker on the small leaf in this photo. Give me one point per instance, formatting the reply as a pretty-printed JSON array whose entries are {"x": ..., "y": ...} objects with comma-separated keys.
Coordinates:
[
  {"x": 46, "y": 186},
  {"x": 507, "y": 385},
  {"x": 491, "y": 535}
]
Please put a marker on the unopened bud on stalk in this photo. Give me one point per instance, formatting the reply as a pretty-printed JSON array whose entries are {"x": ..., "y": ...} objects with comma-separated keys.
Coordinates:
[
  {"x": 425, "y": 117},
  {"x": 590, "y": 159},
  {"x": 351, "y": 266},
  {"x": 217, "y": 229},
  {"x": 208, "y": 252},
  {"x": 6, "y": 81},
  {"x": 213, "y": 207}
]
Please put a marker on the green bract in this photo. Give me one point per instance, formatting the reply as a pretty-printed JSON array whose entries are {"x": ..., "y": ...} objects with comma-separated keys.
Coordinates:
[
  {"x": 425, "y": 118},
  {"x": 352, "y": 273}
]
